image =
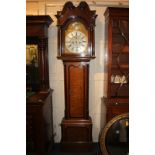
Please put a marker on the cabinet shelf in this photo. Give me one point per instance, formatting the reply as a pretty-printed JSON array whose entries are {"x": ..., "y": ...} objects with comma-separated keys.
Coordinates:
[
  {"x": 117, "y": 48},
  {"x": 120, "y": 52},
  {"x": 116, "y": 99},
  {"x": 119, "y": 84},
  {"x": 122, "y": 66}
]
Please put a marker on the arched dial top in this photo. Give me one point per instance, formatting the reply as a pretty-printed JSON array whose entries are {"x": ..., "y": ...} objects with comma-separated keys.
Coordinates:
[{"x": 76, "y": 38}]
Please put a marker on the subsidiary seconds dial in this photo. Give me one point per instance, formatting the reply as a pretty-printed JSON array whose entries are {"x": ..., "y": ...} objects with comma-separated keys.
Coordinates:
[{"x": 76, "y": 42}]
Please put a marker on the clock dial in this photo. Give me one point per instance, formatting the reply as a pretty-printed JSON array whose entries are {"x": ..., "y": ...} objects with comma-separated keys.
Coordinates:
[
  {"x": 76, "y": 38},
  {"x": 76, "y": 42}
]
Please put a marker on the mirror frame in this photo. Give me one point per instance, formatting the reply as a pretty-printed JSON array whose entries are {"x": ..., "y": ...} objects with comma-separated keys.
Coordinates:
[{"x": 104, "y": 131}]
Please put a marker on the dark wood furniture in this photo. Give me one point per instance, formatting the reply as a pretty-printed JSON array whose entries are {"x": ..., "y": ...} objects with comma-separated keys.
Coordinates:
[
  {"x": 76, "y": 49},
  {"x": 116, "y": 66},
  {"x": 39, "y": 121},
  {"x": 37, "y": 34}
]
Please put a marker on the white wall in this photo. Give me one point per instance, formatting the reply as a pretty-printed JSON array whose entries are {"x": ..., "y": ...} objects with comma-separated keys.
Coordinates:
[{"x": 56, "y": 73}]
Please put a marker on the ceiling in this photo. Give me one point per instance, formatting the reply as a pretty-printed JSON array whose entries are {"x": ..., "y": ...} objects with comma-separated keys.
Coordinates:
[{"x": 90, "y": 2}]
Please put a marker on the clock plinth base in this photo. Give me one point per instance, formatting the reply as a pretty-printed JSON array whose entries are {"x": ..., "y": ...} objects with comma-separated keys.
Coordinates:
[
  {"x": 76, "y": 147},
  {"x": 76, "y": 134}
]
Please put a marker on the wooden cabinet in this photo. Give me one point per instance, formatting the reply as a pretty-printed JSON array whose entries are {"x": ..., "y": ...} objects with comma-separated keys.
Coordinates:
[
  {"x": 39, "y": 121},
  {"x": 116, "y": 107},
  {"x": 37, "y": 71},
  {"x": 116, "y": 66}
]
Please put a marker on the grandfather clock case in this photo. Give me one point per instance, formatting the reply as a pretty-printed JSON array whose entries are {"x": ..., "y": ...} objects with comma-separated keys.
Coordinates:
[
  {"x": 116, "y": 68},
  {"x": 76, "y": 49}
]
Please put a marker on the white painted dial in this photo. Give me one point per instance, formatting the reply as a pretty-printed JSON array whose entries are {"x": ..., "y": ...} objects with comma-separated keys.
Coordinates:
[{"x": 76, "y": 42}]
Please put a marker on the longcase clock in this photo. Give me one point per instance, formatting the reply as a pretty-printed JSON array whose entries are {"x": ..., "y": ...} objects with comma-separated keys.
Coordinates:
[{"x": 76, "y": 49}]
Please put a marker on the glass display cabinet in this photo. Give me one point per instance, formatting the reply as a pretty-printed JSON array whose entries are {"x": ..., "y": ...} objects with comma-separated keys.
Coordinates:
[
  {"x": 39, "y": 121},
  {"x": 116, "y": 67}
]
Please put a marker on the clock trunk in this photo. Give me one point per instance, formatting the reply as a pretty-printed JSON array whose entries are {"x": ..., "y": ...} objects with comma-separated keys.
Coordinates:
[{"x": 76, "y": 89}]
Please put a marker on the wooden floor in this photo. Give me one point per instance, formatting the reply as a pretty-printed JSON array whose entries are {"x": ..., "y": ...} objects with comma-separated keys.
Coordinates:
[{"x": 57, "y": 151}]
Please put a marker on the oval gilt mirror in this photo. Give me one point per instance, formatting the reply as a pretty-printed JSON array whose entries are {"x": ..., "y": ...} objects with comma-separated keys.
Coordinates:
[{"x": 114, "y": 137}]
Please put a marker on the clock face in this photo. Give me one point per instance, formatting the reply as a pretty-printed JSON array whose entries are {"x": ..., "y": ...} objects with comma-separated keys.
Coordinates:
[
  {"x": 76, "y": 42},
  {"x": 76, "y": 38}
]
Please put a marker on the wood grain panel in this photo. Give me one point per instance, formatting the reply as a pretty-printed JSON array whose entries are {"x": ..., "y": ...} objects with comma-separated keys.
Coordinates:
[
  {"x": 76, "y": 90},
  {"x": 76, "y": 93}
]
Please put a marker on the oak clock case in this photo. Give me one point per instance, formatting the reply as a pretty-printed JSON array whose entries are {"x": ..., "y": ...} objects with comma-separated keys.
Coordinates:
[
  {"x": 76, "y": 49},
  {"x": 116, "y": 61}
]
